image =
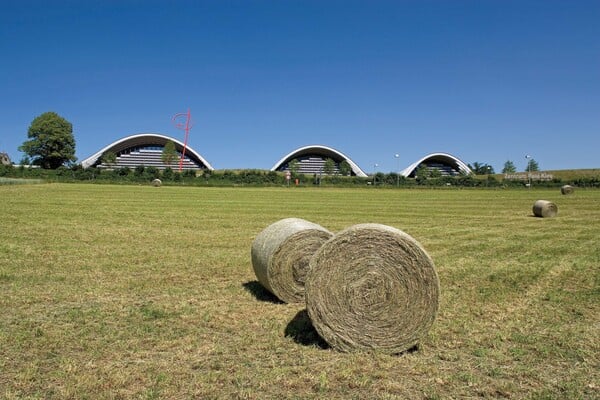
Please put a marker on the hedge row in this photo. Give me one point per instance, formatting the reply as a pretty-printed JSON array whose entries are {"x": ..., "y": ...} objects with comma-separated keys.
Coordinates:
[{"x": 143, "y": 174}]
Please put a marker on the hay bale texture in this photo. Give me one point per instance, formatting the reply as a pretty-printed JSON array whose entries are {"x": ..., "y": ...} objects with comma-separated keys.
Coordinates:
[
  {"x": 544, "y": 209},
  {"x": 281, "y": 254},
  {"x": 567, "y": 189},
  {"x": 372, "y": 287}
]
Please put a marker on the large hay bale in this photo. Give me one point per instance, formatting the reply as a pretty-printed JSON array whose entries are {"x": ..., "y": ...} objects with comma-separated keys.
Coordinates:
[
  {"x": 372, "y": 286},
  {"x": 156, "y": 182},
  {"x": 567, "y": 189},
  {"x": 280, "y": 256},
  {"x": 544, "y": 209}
]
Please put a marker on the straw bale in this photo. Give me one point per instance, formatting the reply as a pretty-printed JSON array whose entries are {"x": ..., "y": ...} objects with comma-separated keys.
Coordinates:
[
  {"x": 544, "y": 209},
  {"x": 567, "y": 189},
  {"x": 281, "y": 254},
  {"x": 372, "y": 287}
]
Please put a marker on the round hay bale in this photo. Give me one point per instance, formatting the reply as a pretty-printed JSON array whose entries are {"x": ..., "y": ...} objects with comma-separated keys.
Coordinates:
[
  {"x": 156, "y": 182},
  {"x": 544, "y": 209},
  {"x": 567, "y": 189},
  {"x": 372, "y": 287},
  {"x": 280, "y": 256}
]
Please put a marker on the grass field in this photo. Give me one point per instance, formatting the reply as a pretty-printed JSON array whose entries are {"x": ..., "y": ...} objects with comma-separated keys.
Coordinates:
[{"x": 118, "y": 292}]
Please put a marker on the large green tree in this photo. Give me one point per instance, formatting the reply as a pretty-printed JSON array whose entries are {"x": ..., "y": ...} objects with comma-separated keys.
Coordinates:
[{"x": 51, "y": 142}]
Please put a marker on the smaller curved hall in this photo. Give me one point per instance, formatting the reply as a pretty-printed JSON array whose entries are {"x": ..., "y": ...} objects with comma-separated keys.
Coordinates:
[
  {"x": 146, "y": 149},
  {"x": 311, "y": 160},
  {"x": 446, "y": 164}
]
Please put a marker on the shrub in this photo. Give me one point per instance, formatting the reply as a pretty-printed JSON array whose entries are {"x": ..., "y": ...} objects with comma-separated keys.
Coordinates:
[
  {"x": 6, "y": 170},
  {"x": 123, "y": 171},
  {"x": 152, "y": 172},
  {"x": 189, "y": 173},
  {"x": 167, "y": 173},
  {"x": 139, "y": 170}
]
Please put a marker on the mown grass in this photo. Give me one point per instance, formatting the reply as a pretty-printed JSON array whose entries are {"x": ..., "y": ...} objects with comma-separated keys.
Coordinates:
[
  {"x": 111, "y": 292},
  {"x": 18, "y": 181}
]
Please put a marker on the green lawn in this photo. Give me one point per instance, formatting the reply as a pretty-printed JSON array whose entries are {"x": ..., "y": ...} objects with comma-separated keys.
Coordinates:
[{"x": 111, "y": 292}]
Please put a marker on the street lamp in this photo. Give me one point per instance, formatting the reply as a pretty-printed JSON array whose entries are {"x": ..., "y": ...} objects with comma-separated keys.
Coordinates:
[
  {"x": 527, "y": 157},
  {"x": 375, "y": 175},
  {"x": 398, "y": 177}
]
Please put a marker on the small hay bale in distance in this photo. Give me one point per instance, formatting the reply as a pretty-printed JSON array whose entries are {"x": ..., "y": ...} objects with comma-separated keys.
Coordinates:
[
  {"x": 372, "y": 287},
  {"x": 567, "y": 189},
  {"x": 281, "y": 253},
  {"x": 156, "y": 182},
  {"x": 544, "y": 209}
]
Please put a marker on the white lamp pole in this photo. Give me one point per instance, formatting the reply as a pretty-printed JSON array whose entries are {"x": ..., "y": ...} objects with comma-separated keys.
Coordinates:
[
  {"x": 527, "y": 157},
  {"x": 398, "y": 171}
]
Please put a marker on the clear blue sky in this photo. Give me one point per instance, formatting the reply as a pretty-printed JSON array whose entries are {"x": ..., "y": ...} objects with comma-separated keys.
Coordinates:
[{"x": 487, "y": 81}]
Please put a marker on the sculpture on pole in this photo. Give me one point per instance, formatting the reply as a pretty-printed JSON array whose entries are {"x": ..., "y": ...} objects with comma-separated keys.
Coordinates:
[{"x": 186, "y": 126}]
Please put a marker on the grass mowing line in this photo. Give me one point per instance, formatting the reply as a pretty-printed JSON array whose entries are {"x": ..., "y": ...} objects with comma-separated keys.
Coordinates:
[{"x": 107, "y": 291}]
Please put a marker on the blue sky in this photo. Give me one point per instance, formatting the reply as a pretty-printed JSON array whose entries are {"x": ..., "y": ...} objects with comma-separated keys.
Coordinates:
[{"x": 487, "y": 81}]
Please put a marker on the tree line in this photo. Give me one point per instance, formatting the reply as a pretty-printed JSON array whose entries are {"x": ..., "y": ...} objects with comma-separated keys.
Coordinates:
[
  {"x": 169, "y": 176},
  {"x": 51, "y": 146}
]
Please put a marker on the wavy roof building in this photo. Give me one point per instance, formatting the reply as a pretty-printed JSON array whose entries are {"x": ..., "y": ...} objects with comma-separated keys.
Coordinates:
[
  {"x": 146, "y": 149},
  {"x": 447, "y": 164},
  {"x": 311, "y": 160},
  {"x": 5, "y": 159}
]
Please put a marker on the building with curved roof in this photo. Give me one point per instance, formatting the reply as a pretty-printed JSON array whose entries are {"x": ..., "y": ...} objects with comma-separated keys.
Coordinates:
[
  {"x": 311, "y": 160},
  {"x": 146, "y": 149},
  {"x": 447, "y": 164},
  {"x": 5, "y": 159}
]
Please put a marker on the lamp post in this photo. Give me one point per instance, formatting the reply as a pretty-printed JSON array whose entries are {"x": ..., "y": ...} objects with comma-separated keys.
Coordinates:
[
  {"x": 527, "y": 157},
  {"x": 397, "y": 156},
  {"x": 375, "y": 175}
]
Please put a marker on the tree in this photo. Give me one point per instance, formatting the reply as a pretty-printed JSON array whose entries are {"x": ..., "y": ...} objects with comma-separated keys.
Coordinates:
[
  {"x": 109, "y": 158},
  {"x": 345, "y": 168},
  {"x": 421, "y": 173},
  {"x": 294, "y": 166},
  {"x": 169, "y": 153},
  {"x": 25, "y": 160},
  {"x": 532, "y": 166},
  {"x": 509, "y": 168},
  {"x": 329, "y": 166},
  {"x": 51, "y": 142},
  {"x": 481, "y": 169},
  {"x": 435, "y": 173}
]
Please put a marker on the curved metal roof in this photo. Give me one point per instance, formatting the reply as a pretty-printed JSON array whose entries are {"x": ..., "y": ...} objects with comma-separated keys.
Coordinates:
[
  {"x": 145, "y": 139},
  {"x": 445, "y": 158},
  {"x": 322, "y": 151}
]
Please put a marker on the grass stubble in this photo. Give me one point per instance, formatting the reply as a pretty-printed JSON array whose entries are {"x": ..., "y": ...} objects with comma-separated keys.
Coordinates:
[{"x": 110, "y": 292}]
